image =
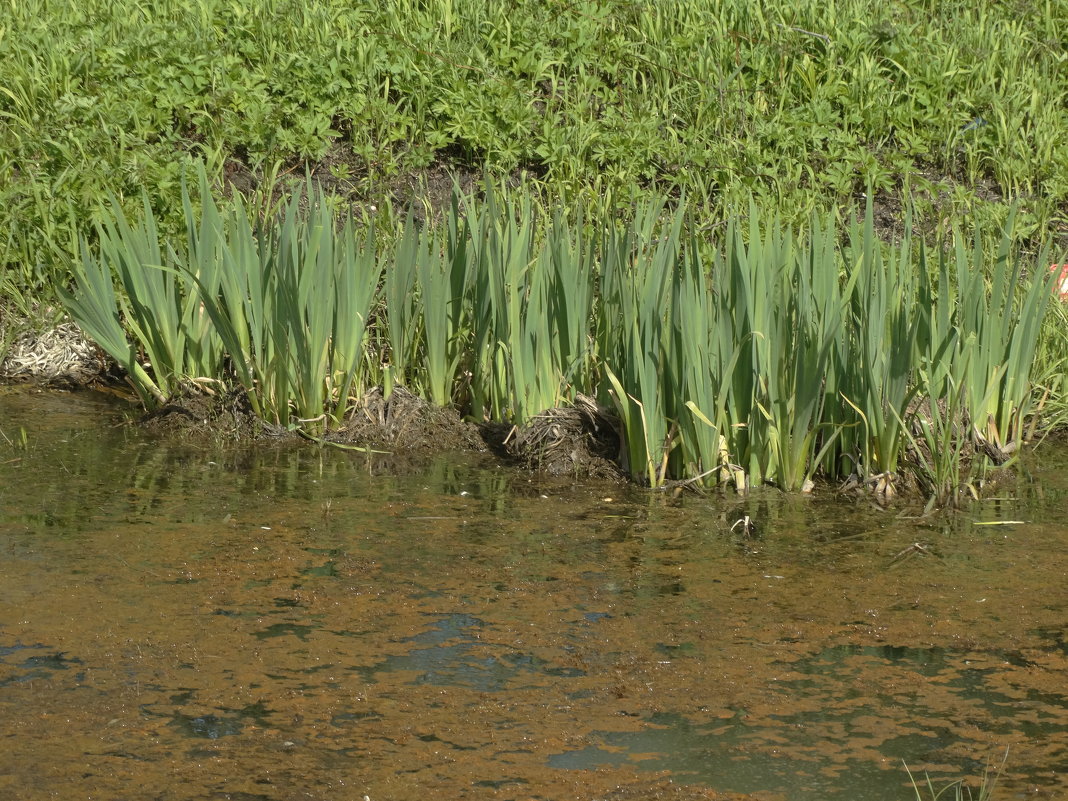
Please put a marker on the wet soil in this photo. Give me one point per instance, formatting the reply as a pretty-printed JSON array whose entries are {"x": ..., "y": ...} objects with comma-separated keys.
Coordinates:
[
  {"x": 208, "y": 414},
  {"x": 402, "y": 431},
  {"x": 181, "y": 621},
  {"x": 582, "y": 440}
]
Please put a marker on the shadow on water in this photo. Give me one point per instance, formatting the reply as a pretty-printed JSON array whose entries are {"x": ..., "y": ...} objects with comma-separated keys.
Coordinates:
[
  {"x": 24, "y": 663},
  {"x": 729, "y": 755},
  {"x": 722, "y": 756},
  {"x": 451, "y": 654},
  {"x": 276, "y": 622}
]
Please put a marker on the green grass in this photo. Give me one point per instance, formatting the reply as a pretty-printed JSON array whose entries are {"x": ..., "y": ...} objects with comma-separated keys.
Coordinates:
[{"x": 802, "y": 107}]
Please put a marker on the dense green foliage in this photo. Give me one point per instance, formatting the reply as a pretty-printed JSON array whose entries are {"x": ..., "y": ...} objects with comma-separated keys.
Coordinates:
[{"x": 802, "y": 104}]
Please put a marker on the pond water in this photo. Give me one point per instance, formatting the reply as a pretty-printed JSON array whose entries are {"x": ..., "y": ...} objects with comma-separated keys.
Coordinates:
[{"x": 195, "y": 621}]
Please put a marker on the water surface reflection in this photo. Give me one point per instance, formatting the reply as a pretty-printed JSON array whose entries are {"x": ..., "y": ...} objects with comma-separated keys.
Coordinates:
[{"x": 278, "y": 622}]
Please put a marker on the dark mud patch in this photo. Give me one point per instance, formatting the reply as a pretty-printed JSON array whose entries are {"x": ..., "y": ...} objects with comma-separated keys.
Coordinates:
[
  {"x": 943, "y": 196},
  {"x": 581, "y": 440},
  {"x": 401, "y": 423},
  {"x": 400, "y": 431},
  {"x": 341, "y": 173},
  {"x": 429, "y": 193},
  {"x": 202, "y": 411}
]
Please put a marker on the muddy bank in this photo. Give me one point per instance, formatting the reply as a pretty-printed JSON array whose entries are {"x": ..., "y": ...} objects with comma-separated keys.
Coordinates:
[
  {"x": 579, "y": 441},
  {"x": 402, "y": 431}
]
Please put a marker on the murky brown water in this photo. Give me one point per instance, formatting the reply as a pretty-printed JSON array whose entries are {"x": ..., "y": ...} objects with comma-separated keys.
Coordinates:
[{"x": 188, "y": 622}]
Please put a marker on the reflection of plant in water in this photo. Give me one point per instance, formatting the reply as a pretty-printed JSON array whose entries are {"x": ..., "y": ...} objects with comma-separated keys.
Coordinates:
[
  {"x": 19, "y": 443},
  {"x": 958, "y": 790}
]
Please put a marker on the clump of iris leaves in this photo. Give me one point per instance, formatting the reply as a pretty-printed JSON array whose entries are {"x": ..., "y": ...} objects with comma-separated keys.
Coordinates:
[{"x": 757, "y": 353}]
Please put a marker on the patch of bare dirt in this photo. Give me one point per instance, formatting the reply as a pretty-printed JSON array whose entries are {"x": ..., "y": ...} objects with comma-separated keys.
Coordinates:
[
  {"x": 400, "y": 423},
  {"x": 341, "y": 173},
  {"x": 575, "y": 442},
  {"x": 429, "y": 192}
]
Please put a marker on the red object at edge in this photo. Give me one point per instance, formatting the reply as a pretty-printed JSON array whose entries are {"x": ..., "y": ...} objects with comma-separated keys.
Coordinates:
[{"x": 1060, "y": 286}]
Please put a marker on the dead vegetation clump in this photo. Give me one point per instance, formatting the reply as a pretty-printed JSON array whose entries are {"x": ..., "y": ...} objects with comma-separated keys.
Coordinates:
[
  {"x": 403, "y": 421},
  {"x": 60, "y": 355},
  {"x": 581, "y": 440}
]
